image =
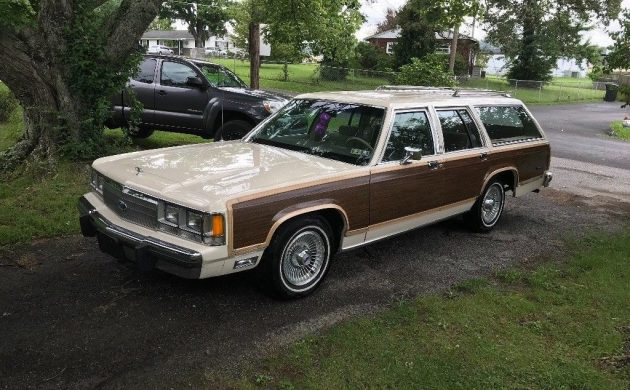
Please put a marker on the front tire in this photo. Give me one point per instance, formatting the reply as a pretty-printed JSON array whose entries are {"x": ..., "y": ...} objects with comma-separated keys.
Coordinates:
[
  {"x": 233, "y": 130},
  {"x": 488, "y": 208},
  {"x": 297, "y": 259}
]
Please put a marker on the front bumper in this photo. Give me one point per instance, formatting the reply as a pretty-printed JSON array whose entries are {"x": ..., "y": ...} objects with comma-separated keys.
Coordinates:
[{"x": 147, "y": 252}]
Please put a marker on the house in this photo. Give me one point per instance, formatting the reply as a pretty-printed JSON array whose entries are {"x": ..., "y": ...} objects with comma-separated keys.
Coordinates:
[
  {"x": 181, "y": 41},
  {"x": 466, "y": 46}
]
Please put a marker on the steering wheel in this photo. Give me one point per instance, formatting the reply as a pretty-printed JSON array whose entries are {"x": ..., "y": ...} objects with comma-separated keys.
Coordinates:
[{"x": 361, "y": 141}]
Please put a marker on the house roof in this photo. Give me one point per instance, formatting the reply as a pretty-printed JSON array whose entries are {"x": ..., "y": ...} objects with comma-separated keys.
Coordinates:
[
  {"x": 395, "y": 33},
  {"x": 170, "y": 34}
]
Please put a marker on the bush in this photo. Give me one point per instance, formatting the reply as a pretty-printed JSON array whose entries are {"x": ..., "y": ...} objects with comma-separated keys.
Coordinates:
[
  {"x": 8, "y": 104},
  {"x": 429, "y": 71}
]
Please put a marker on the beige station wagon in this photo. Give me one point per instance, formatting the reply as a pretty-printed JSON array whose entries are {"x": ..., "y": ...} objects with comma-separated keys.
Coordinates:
[{"x": 327, "y": 173}]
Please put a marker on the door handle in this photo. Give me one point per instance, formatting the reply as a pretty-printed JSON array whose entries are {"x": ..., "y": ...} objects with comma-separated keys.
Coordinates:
[
  {"x": 434, "y": 165},
  {"x": 483, "y": 156},
  {"x": 162, "y": 92}
]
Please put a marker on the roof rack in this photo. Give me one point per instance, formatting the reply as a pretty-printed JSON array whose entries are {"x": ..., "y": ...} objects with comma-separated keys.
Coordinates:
[{"x": 455, "y": 92}]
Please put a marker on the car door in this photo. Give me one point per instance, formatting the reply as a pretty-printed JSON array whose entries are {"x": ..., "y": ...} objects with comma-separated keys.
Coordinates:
[
  {"x": 179, "y": 105},
  {"x": 400, "y": 194},
  {"x": 143, "y": 86},
  {"x": 463, "y": 162}
]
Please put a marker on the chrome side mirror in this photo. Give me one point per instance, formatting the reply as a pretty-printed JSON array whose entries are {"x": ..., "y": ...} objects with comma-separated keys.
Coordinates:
[{"x": 411, "y": 154}]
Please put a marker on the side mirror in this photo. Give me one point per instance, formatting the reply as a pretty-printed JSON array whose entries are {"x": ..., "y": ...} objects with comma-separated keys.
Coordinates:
[
  {"x": 195, "y": 82},
  {"x": 411, "y": 154}
]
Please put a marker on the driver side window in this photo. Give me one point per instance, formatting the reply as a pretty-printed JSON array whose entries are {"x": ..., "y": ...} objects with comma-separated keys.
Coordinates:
[
  {"x": 409, "y": 129},
  {"x": 175, "y": 74}
]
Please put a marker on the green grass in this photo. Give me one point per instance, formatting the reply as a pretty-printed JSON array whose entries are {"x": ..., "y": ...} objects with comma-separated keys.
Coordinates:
[
  {"x": 304, "y": 78},
  {"x": 564, "y": 325},
  {"x": 617, "y": 130}
]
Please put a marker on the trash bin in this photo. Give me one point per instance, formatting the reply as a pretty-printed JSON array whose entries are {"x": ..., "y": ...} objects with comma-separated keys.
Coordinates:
[{"x": 611, "y": 92}]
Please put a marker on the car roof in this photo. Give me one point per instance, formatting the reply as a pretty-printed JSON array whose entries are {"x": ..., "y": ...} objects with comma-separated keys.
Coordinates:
[
  {"x": 408, "y": 96},
  {"x": 182, "y": 58}
]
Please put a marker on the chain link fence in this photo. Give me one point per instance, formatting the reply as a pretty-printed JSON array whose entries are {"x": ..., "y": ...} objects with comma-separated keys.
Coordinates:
[{"x": 308, "y": 77}]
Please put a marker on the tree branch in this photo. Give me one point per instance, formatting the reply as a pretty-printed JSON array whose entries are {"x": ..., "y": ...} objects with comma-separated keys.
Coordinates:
[{"x": 127, "y": 26}]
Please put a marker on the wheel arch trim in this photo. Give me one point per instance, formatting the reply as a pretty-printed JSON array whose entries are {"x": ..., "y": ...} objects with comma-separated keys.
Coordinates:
[
  {"x": 292, "y": 212},
  {"x": 491, "y": 174}
]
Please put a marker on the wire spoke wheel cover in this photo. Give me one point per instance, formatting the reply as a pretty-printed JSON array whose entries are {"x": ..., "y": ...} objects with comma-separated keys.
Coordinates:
[
  {"x": 304, "y": 257},
  {"x": 492, "y": 204}
]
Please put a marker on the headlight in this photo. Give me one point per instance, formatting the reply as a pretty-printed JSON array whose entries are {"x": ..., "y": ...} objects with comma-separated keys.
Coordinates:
[
  {"x": 272, "y": 106},
  {"x": 191, "y": 224},
  {"x": 171, "y": 214},
  {"x": 96, "y": 181}
]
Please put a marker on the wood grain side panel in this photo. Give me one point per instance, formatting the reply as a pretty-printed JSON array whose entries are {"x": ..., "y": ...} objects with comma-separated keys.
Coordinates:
[
  {"x": 399, "y": 193},
  {"x": 530, "y": 161},
  {"x": 253, "y": 219}
]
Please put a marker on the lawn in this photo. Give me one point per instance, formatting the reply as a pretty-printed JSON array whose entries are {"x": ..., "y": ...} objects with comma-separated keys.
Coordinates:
[
  {"x": 562, "y": 325},
  {"x": 617, "y": 130},
  {"x": 304, "y": 78}
]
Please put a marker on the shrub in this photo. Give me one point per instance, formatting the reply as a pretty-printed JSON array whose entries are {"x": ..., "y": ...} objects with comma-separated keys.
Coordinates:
[
  {"x": 8, "y": 104},
  {"x": 429, "y": 71}
]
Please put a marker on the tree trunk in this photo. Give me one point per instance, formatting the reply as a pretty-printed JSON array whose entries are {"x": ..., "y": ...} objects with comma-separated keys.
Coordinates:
[
  {"x": 453, "y": 53},
  {"x": 254, "y": 55}
]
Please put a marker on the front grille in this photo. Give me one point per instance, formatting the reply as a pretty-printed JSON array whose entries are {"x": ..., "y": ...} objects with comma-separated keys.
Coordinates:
[{"x": 131, "y": 205}]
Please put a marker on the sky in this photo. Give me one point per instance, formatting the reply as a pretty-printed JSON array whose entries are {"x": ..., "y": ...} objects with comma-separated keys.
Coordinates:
[{"x": 375, "y": 10}]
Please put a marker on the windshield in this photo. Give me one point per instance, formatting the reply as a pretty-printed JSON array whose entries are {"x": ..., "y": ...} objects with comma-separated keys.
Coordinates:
[
  {"x": 340, "y": 131},
  {"x": 219, "y": 76}
]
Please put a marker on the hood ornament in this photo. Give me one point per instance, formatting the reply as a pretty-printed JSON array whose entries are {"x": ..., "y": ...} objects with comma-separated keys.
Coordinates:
[{"x": 138, "y": 170}]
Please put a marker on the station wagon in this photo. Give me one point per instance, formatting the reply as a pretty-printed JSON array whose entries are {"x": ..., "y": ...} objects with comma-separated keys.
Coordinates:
[{"x": 328, "y": 172}]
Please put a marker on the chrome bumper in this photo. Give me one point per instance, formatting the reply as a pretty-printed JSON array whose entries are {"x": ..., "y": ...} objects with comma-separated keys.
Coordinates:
[
  {"x": 147, "y": 252},
  {"x": 547, "y": 177}
]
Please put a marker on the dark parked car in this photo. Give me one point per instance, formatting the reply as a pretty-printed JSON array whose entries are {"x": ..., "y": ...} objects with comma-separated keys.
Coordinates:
[{"x": 191, "y": 96}]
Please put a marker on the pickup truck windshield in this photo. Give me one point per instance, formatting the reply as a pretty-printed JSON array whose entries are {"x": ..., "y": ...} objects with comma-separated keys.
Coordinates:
[
  {"x": 218, "y": 76},
  {"x": 339, "y": 131}
]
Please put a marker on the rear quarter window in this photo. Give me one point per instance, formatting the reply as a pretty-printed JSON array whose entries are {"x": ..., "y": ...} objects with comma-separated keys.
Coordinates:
[{"x": 506, "y": 124}]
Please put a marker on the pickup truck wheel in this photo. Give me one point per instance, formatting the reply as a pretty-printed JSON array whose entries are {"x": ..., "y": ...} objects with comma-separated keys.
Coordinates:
[
  {"x": 142, "y": 132},
  {"x": 297, "y": 258},
  {"x": 232, "y": 130},
  {"x": 488, "y": 208}
]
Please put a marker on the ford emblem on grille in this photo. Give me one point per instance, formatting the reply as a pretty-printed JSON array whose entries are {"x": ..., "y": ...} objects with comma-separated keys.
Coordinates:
[{"x": 122, "y": 205}]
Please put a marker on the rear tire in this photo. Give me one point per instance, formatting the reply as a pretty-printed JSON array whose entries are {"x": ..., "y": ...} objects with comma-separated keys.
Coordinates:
[
  {"x": 140, "y": 133},
  {"x": 232, "y": 130},
  {"x": 488, "y": 208},
  {"x": 297, "y": 259}
]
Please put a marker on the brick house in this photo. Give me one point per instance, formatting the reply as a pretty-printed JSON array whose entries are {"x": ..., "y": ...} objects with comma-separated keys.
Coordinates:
[{"x": 467, "y": 47}]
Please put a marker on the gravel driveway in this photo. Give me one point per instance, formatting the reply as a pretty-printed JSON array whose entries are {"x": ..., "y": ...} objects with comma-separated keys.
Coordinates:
[{"x": 71, "y": 317}]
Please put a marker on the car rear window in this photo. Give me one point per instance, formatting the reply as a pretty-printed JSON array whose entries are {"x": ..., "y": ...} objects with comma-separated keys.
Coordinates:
[{"x": 506, "y": 124}]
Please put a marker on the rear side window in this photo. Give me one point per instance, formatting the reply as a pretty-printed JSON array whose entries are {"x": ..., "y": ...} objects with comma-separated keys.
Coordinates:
[
  {"x": 508, "y": 124},
  {"x": 146, "y": 71},
  {"x": 459, "y": 130}
]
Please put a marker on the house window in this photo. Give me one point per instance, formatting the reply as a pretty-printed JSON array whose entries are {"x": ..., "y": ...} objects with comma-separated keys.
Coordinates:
[
  {"x": 389, "y": 49},
  {"x": 443, "y": 48}
]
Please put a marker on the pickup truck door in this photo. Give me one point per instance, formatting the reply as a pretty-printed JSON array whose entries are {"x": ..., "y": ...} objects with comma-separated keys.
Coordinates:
[
  {"x": 143, "y": 86},
  {"x": 179, "y": 105}
]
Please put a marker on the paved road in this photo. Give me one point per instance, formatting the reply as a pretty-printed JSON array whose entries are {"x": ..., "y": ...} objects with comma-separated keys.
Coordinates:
[
  {"x": 71, "y": 317},
  {"x": 585, "y": 160},
  {"x": 579, "y": 132}
]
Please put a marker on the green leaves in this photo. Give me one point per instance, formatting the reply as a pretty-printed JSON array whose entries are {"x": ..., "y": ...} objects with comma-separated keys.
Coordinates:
[
  {"x": 15, "y": 14},
  {"x": 428, "y": 71},
  {"x": 533, "y": 34}
]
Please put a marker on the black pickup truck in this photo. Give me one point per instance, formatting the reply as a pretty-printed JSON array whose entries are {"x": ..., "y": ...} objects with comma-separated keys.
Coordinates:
[{"x": 192, "y": 96}]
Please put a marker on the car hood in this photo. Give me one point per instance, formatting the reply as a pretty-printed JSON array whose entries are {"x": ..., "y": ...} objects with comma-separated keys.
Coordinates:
[
  {"x": 256, "y": 93},
  {"x": 205, "y": 176}
]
